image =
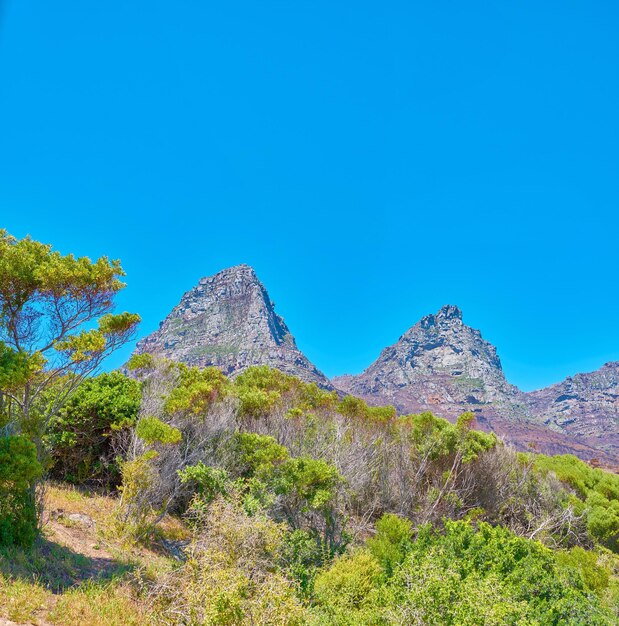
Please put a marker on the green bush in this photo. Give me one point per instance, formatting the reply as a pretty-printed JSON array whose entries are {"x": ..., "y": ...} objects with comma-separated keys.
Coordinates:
[
  {"x": 462, "y": 576},
  {"x": 207, "y": 482},
  {"x": 80, "y": 436},
  {"x": 152, "y": 430},
  {"x": 392, "y": 539},
  {"x": 255, "y": 455},
  {"x": 309, "y": 483},
  {"x": 599, "y": 490},
  {"x": 488, "y": 575},
  {"x": 196, "y": 391},
  {"x": 356, "y": 408},
  {"x": 346, "y": 591},
  {"x": 19, "y": 469},
  {"x": 435, "y": 437}
]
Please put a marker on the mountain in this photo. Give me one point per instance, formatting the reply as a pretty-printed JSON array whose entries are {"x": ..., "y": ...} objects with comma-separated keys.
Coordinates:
[
  {"x": 439, "y": 364},
  {"x": 229, "y": 321},
  {"x": 584, "y": 406},
  {"x": 444, "y": 366}
]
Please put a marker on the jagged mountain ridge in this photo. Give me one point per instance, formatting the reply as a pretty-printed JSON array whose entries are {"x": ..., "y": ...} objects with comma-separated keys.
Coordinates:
[
  {"x": 229, "y": 321},
  {"x": 584, "y": 406}
]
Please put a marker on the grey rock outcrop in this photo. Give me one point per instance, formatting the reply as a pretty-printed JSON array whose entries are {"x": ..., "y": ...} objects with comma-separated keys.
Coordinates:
[{"x": 229, "y": 321}]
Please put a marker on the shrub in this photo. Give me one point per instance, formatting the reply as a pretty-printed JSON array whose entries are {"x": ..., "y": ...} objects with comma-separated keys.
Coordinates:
[
  {"x": 355, "y": 408},
  {"x": 208, "y": 482},
  {"x": 392, "y": 539},
  {"x": 255, "y": 455},
  {"x": 260, "y": 389},
  {"x": 81, "y": 435},
  {"x": 487, "y": 575},
  {"x": 229, "y": 577},
  {"x": 599, "y": 490},
  {"x": 347, "y": 586},
  {"x": 152, "y": 430},
  {"x": 464, "y": 576},
  {"x": 309, "y": 483},
  {"x": 19, "y": 469},
  {"x": 196, "y": 391}
]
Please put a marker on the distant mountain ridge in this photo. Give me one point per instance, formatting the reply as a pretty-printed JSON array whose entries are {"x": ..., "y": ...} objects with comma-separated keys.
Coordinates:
[
  {"x": 584, "y": 406},
  {"x": 440, "y": 364}
]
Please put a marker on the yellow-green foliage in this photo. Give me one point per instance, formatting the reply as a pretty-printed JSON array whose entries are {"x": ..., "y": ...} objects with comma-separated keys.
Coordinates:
[
  {"x": 463, "y": 576},
  {"x": 435, "y": 437},
  {"x": 208, "y": 482},
  {"x": 268, "y": 379},
  {"x": 229, "y": 578},
  {"x": 143, "y": 361},
  {"x": 255, "y": 455},
  {"x": 312, "y": 483},
  {"x": 30, "y": 270},
  {"x": 152, "y": 430},
  {"x": 355, "y": 408},
  {"x": 595, "y": 576},
  {"x": 17, "y": 367},
  {"x": 196, "y": 391},
  {"x": 599, "y": 490},
  {"x": 348, "y": 587},
  {"x": 391, "y": 542},
  {"x": 261, "y": 389}
]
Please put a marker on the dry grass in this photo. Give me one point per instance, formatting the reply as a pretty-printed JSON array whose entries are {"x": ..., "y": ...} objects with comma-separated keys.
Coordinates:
[
  {"x": 22, "y": 601},
  {"x": 91, "y": 605},
  {"x": 79, "y": 574}
]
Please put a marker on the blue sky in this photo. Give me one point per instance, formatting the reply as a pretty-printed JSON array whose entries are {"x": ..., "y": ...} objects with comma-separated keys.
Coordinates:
[{"x": 371, "y": 161}]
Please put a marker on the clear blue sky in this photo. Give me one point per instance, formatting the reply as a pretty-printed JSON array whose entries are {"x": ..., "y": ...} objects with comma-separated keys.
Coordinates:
[{"x": 372, "y": 161}]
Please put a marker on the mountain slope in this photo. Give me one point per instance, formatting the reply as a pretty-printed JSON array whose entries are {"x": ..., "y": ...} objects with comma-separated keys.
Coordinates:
[{"x": 229, "y": 321}]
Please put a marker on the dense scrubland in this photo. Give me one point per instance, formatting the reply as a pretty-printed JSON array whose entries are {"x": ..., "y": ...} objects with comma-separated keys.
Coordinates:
[{"x": 174, "y": 495}]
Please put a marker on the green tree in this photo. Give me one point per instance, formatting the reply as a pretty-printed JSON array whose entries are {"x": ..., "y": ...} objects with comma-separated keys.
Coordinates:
[{"x": 56, "y": 327}]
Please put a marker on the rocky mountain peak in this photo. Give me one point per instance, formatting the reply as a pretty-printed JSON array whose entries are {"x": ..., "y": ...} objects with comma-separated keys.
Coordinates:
[
  {"x": 439, "y": 364},
  {"x": 446, "y": 314},
  {"x": 228, "y": 320}
]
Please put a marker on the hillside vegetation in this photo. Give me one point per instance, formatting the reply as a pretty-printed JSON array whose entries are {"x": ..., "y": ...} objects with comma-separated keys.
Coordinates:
[
  {"x": 168, "y": 494},
  {"x": 296, "y": 507}
]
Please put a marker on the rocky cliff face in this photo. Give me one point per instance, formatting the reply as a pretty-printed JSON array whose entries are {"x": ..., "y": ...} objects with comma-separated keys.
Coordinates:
[{"x": 229, "y": 321}]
